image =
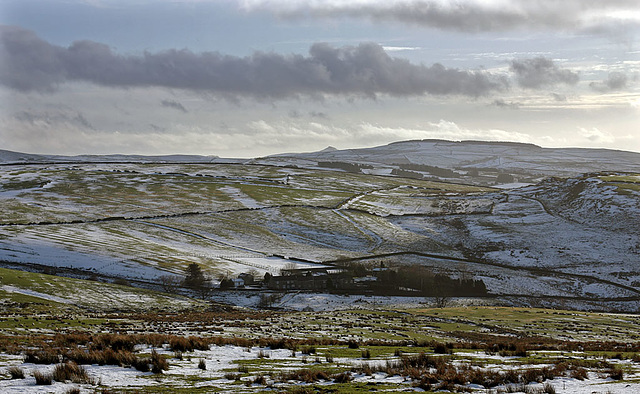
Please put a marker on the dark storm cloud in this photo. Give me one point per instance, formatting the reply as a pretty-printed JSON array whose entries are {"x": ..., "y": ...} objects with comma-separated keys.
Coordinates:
[
  {"x": 174, "y": 105},
  {"x": 467, "y": 16},
  {"x": 27, "y": 62},
  {"x": 31, "y": 64},
  {"x": 540, "y": 72},
  {"x": 615, "y": 81}
]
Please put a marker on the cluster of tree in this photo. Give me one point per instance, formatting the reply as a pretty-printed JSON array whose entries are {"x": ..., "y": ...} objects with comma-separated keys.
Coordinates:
[
  {"x": 501, "y": 177},
  {"x": 194, "y": 280},
  {"x": 417, "y": 279},
  {"x": 226, "y": 283},
  {"x": 406, "y": 174},
  {"x": 504, "y": 178},
  {"x": 424, "y": 281},
  {"x": 438, "y": 171},
  {"x": 348, "y": 167}
]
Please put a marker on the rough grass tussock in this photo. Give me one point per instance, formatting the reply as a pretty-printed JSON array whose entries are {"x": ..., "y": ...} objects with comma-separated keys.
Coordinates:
[
  {"x": 71, "y": 371},
  {"x": 43, "y": 378},
  {"x": 16, "y": 372}
]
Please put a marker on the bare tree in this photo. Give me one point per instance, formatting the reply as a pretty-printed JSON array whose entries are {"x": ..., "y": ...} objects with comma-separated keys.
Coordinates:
[
  {"x": 205, "y": 290},
  {"x": 440, "y": 297},
  {"x": 268, "y": 300},
  {"x": 288, "y": 266},
  {"x": 170, "y": 283},
  {"x": 441, "y": 301}
]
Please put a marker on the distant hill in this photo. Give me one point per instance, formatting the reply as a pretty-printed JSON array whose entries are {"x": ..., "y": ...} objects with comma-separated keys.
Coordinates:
[
  {"x": 477, "y": 162},
  {"x": 7, "y": 157},
  {"x": 467, "y": 155}
]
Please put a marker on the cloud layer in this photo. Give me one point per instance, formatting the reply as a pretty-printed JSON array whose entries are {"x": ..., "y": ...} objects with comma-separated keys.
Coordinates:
[
  {"x": 28, "y": 63},
  {"x": 467, "y": 15}
]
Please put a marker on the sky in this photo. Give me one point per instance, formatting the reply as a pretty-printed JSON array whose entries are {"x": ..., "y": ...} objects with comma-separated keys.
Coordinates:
[{"x": 258, "y": 77}]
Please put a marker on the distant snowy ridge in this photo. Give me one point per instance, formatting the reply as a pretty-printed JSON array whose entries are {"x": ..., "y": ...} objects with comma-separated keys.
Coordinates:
[
  {"x": 8, "y": 157},
  {"x": 465, "y": 155},
  {"x": 511, "y": 157}
]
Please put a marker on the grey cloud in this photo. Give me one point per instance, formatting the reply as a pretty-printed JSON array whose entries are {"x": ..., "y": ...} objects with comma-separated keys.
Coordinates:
[
  {"x": 500, "y": 103},
  {"x": 31, "y": 64},
  {"x": 295, "y": 114},
  {"x": 467, "y": 16},
  {"x": 615, "y": 81},
  {"x": 319, "y": 115},
  {"x": 54, "y": 119},
  {"x": 559, "y": 97},
  {"x": 157, "y": 128},
  {"x": 27, "y": 62},
  {"x": 81, "y": 120},
  {"x": 540, "y": 72},
  {"x": 174, "y": 105}
]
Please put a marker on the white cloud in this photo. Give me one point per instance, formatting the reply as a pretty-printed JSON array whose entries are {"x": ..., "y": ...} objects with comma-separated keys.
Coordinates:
[
  {"x": 595, "y": 135},
  {"x": 397, "y": 49},
  {"x": 295, "y": 135},
  {"x": 450, "y": 130}
]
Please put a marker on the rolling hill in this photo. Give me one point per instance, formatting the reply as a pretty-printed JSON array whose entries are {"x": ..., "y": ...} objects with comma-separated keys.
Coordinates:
[{"x": 538, "y": 226}]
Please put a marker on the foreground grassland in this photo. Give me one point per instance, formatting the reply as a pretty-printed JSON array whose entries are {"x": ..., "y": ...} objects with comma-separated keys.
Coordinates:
[{"x": 184, "y": 344}]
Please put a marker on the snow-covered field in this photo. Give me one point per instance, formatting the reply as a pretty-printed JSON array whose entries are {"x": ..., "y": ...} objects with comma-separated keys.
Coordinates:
[
  {"x": 564, "y": 243},
  {"x": 149, "y": 219},
  {"x": 222, "y": 362}
]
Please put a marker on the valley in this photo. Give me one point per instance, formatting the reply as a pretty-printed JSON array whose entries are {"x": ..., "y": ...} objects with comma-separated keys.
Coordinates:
[{"x": 322, "y": 275}]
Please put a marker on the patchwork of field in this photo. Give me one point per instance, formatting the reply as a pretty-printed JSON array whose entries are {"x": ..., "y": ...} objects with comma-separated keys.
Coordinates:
[
  {"x": 144, "y": 221},
  {"x": 228, "y": 218}
]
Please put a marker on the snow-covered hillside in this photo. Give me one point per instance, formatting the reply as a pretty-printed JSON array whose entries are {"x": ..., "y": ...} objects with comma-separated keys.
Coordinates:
[
  {"x": 608, "y": 201},
  {"x": 515, "y": 158},
  {"x": 570, "y": 239}
]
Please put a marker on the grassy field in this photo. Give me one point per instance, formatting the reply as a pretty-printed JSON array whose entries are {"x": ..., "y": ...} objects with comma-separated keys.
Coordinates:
[
  {"x": 91, "y": 192},
  {"x": 214, "y": 348},
  {"x": 167, "y": 216},
  {"x": 41, "y": 292}
]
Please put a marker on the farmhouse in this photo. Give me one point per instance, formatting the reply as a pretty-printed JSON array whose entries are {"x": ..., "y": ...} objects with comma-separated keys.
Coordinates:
[{"x": 311, "y": 279}]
